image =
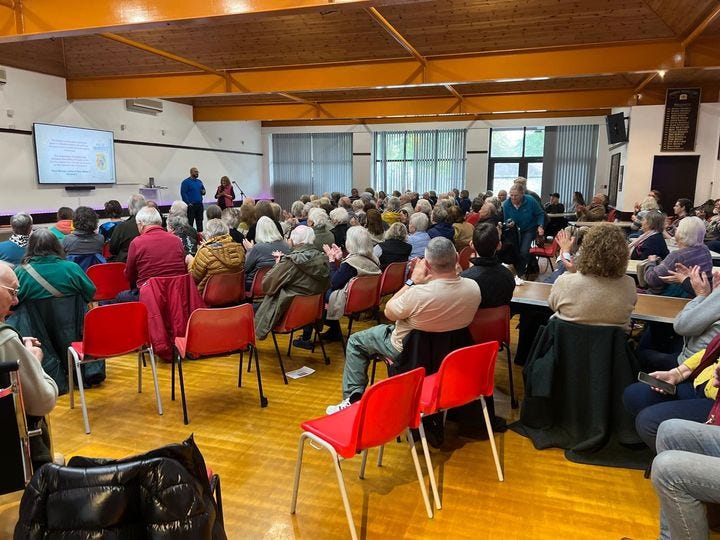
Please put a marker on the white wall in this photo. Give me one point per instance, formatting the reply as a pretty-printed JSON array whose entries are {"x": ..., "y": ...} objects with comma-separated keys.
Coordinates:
[
  {"x": 645, "y": 134},
  {"x": 477, "y": 145},
  {"x": 31, "y": 97}
]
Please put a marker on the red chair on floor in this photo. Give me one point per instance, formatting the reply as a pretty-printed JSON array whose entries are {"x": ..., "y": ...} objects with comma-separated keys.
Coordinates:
[
  {"x": 464, "y": 257},
  {"x": 548, "y": 252},
  {"x": 362, "y": 296},
  {"x": 109, "y": 279},
  {"x": 216, "y": 332},
  {"x": 256, "y": 294},
  {"x": 465, "y": 375},
  {"x": 303, "y": 311},
  {"x": 387, "y": 409},
  {"x": 113, "y": 330},
  {"x": 222, "y": 290},
  {"x": 493, "y": 324},
  {"x": 391, "y": 281}
]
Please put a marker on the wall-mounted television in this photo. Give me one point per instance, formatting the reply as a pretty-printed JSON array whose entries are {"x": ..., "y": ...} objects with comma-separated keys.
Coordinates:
[
  {"x": 67, "y": 155},
  {"x": 616, "y": 132}
]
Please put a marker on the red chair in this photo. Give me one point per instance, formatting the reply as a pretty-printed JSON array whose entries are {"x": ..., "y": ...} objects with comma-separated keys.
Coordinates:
[
  {"x": 256, "y": 293},
  {"x": 106, "y": 250},
  {"x": 493, "y": 324},
  {"x": 303, "y": 311},
  {"x": 386, "y": 410},
  {"x": 216, "y": 332},
  {"x": 464, "y": 257},
  {"x": 113, "y": 330},
  {"x": 465, "y": 375},
  {"x": 391, "y": 281},
  {"x": 109, "y": 279},
  {"x": 227, "y": 289},
  {"x": 548, "y": 252},
  {"x": 362, "y": 296}
]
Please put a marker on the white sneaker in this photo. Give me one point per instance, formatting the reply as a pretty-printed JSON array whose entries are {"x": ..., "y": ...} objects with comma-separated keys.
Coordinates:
[{"x": 344, "y": 404}]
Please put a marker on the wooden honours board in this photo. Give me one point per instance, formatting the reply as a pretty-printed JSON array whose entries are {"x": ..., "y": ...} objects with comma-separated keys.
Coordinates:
[{"x": 680, "y": 123}]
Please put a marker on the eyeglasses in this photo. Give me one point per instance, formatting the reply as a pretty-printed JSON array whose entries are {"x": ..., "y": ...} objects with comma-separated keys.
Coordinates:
[{"x": 13, "y": 291}]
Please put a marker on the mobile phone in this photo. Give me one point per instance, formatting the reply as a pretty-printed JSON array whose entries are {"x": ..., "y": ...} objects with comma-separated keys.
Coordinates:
[{"x": 656, "y": 383}]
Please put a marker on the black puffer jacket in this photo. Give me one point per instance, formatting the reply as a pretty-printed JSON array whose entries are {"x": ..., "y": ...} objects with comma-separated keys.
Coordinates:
[{"x": 164, "y": 494}]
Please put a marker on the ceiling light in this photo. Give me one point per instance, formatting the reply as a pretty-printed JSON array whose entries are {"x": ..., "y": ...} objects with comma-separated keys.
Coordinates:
[{"x": 662, "y": 73}]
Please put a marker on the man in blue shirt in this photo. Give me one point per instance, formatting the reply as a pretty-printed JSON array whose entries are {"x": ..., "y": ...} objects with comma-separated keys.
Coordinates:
[
  {"x": 528, "y": 217},
  {"x": 192, "y": 191}
]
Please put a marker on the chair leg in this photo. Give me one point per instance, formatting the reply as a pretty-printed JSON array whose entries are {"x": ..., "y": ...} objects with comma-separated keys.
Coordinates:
[
  {"x": 431, "y": 471},
  {"x": 491, "y": 436},
  {"x": 290, "y": 339},
  {"x": 381, "y": 451},
  {"x": 363, "y": 462},
  {"x": 71, "y": 380},
  {"x": 186, "y": 420},
  {"x": 263, "y": 399},
  {"x": 343, "y": 493},
  {"x": 298, "y": 468},
  {"x": 418, "y": 470},
  {"x": 153, "y": 368},
  {"x": 326, "y": 358},
  {"x": 240, "y": 368},
  {"x": 86, "y": 421},
  {"x": 215, "y": 488},
  {"x": 172, "y": 375},
  {"x": 141, "y": 356},
  {"x": 513, "y": 399},
  {"x": 277, "y": 350},
  {"x": 249, "y": 368}
]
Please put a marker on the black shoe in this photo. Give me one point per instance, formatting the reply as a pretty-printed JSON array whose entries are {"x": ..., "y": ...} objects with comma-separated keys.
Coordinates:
[
  {"x": 303, "y": 344},
  {"x": 330, "y": 336}
]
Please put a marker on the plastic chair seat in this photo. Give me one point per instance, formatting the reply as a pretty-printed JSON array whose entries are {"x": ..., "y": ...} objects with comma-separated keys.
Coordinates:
[{"x": 337, "y": 429}]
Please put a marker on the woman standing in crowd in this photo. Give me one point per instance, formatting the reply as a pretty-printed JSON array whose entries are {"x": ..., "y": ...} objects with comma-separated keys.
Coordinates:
[{"x": 225, "y": 195}]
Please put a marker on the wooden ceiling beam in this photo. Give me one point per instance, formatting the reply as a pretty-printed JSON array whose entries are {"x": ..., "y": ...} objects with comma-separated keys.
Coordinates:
[
  {"x": 581, "y": 61},
  {"x": 556, "y": 102},
  {"x": 397, "y": 36},
  {"x": 45, "y": 19}
]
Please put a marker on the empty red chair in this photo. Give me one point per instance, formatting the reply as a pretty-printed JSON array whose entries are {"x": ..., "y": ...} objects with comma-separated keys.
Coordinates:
[
  {"x": 548, "y": 252},
  {"x": 386, "y": 410},
  {"x": 464, "y": 257},
  {"x": 113, "y": 330},
  {"x": 303, "y": 311},
  {"x": 227, "y": 289},
  {"x": 256, "y": 291},
  {"x": 216, "y": 332},
  {"x": 493, "y": 324},
  {"x": 465, "y": 375},
  {"x": 106, "y": 250},
  {"x": 362, "y": 296},
  {"x": 109, "y": 279}
]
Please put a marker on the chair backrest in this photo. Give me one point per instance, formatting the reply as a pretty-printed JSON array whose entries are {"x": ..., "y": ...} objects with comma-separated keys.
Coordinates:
[
  {"x": 116, "y": 329},
  {"x": 256, "y": 291},
  {"x": 491, "y": 323},
  {"x": 362, "y": 294},
  {"x": 221, "y": 330},
  {"x": 552, "y": 249},
  {"x": 392, "y": 279},
  {"x": 466, "y": 374},
  {"x": 106, "y": 250},
  {"x": 303, "y": 310},
  {"x": 388, "y": 407},
  {"x": 109, "y": 280},
  {"x": 464, "y": 257},
  {"x": 15, "y": 449},
  {"x": 224, "y": 289}
]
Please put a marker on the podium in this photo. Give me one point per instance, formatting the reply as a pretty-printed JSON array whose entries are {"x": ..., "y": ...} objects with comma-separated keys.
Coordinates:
[{"x": 150, "y": 193}]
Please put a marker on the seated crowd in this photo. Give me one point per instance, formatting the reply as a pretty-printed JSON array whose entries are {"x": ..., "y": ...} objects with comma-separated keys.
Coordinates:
[{"x": 323, "y": 242}]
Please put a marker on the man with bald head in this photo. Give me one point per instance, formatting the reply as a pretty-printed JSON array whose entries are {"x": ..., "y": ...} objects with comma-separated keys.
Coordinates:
[{"x": 39, "y": 390}]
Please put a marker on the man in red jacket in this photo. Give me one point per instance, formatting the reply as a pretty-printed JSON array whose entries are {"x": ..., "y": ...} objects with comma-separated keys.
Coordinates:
[{"x": 155, "y": 252}]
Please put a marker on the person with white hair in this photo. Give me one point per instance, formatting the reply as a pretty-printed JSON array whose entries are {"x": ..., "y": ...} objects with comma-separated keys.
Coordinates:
[
  {"x": 303, "y": 271},
  {"x": 125, "y": 232},
  {"x": 13, "y": 249},
  {"x": 218, "y": 254},
  {"x": 339, "y": 218},
  {"x": 418, "y": 237},
  {"x": 392, "y": 210},
  {"x": 691, "y": 252},
  {"x": 155, "y": 252},
  {"x": 395, "y": 247},
  {"x": 320, "y": 223},
  {"x": 260, "y": 253}
]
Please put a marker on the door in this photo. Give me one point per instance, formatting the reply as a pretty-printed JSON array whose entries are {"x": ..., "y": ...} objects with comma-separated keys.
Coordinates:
[{"x": 675, "y": 177}]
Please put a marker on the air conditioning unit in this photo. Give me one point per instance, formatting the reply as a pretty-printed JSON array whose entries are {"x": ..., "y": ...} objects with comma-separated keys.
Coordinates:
[
  {"x": 3, "y": 76},
  {"x": 147, "y": 106}
]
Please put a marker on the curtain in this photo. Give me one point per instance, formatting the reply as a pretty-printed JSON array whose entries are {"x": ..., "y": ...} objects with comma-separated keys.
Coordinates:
[{"x": 569, "y": 161}]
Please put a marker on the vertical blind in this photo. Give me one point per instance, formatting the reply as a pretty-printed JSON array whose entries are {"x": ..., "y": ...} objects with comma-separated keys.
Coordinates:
[
  {"x": 570, "y": 160},
  {"x": 419, "y": 160},
  {"x": 305, "y": 163}
]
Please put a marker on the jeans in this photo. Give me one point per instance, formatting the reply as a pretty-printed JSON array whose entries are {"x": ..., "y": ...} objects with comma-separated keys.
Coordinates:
[
  {"x": 526, "y": 239},
  {"x": 686, "y": 473},
  {"x": 650, "y": 408},
  {"x": 361, "y": 346},
  {"x": 195, "y": 214}
]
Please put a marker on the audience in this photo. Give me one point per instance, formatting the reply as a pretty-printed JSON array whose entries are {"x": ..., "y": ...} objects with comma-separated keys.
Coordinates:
[
  {"x": 218, "y": 254},
  {"x": 392, "y": 211},
  {"x": 340, "y": 223},
  {"x": 13, "y": 249},
  {"x": 177, "y": 223},
  {"x": 495, "y": 281},
  {"x": 440, "y": 225},
  {"x": 63, "y": 225},
  {"x": 418, "y": 237},
  {"x": 84, "y": 246},
  {"x": 375, "y": 226},
  {"x": 651, "y": 240},
  {"x": 525, "y": 215},
  {"x": 260, "y": 253},
  {"x": 125, "y": 232},
  {"x": 320, "y": 223},
  {"x": 113, "y": 211},
  {"x": 463, "y": 231},
  {"x": 681, "y": 210},
  {"x": 596, "y": 211},
  {"x": 395, "y": 247}
]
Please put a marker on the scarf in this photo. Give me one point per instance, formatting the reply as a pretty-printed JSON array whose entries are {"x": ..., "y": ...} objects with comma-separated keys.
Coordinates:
[
  {"x": 640, "y": 239},
  {"x": 21, "y": 240}
]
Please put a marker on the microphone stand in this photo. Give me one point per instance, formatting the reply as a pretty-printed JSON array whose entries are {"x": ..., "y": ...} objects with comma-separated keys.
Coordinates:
[{"x": 242, "y": 193}]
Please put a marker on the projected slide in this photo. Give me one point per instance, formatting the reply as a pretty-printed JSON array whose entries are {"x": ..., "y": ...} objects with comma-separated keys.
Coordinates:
[{"x": 70, "y": 155}]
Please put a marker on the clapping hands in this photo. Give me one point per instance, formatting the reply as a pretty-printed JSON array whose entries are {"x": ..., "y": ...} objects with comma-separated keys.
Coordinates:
[{"x": 334, "y": 252}]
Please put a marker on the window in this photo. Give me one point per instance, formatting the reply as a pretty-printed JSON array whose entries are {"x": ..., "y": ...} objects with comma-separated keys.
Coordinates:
[
  {"x": 310, "y": 163},
  {"x": 516, "y": 152},
  {"x": 419, "y": 160}
]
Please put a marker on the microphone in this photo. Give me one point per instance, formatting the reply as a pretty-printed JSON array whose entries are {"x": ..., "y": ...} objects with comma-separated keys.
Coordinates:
[{"x": 239, "y": 188}]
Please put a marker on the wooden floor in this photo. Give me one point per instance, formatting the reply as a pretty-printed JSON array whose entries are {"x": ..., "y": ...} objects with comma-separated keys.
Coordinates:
[{"x": 253, "y": 449}]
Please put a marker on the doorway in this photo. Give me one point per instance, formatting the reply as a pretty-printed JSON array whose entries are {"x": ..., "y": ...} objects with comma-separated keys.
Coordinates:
[{"x": 675, "y": 177}]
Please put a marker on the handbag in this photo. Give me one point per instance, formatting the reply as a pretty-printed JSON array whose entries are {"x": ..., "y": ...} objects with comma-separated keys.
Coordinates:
[{"x": 712, "y": 353}]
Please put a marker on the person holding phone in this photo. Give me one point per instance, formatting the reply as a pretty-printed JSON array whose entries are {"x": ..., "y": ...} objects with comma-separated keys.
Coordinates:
[
  {"x": 225, "y": 195},
  {"x": 693, "y": 398}
]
